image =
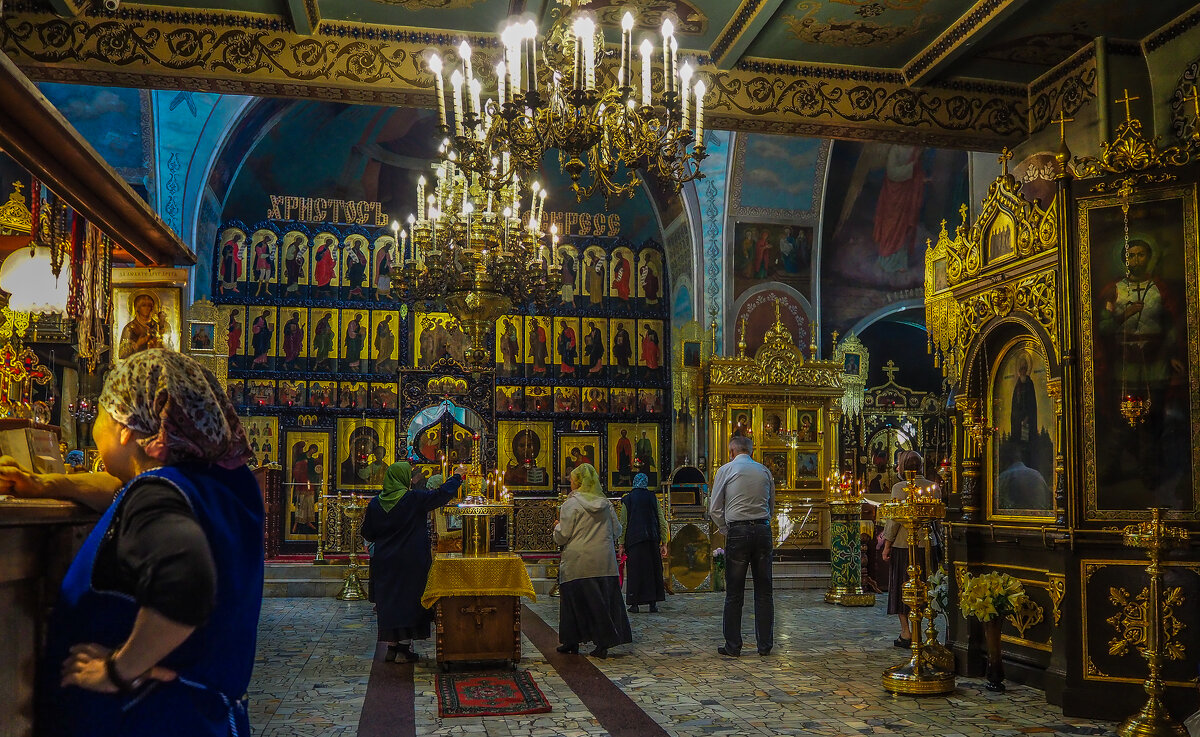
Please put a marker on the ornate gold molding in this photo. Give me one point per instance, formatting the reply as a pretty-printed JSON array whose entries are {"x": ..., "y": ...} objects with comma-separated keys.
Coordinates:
[
  {"x": 1133, "y": 626},
  {"x": 851, "y": 102},
  {"x": 1057, "y": 589},
  {"x": 14, "y": 214},
  {"x": 1131, "y": 151},
  {"x": 241, "y": 53},
  {"x": 777, "y": 363},
  {"x": 1029, "y": 614},
  {"x": 957, "y": 304}
]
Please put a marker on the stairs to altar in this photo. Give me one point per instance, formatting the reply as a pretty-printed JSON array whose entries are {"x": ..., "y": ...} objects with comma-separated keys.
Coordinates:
[{"x": 303, "y": 579}]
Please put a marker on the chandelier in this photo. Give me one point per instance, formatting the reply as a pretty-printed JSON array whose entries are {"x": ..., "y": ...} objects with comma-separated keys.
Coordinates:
[
  {"x": 606, "y": 119},
  {"x": 471, "y": 252}
]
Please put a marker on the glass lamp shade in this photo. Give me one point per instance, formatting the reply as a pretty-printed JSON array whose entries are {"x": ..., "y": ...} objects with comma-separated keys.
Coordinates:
[{"x": 28, "y": 277}]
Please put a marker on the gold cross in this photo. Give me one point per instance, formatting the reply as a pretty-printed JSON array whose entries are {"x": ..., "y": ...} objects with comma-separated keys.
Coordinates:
[
  {"x": 890, "y": 368},
  {"x": 17, "y": 184},
  {"x": 1005, "y": 157},
  {"x": 1061, "y": 121},
  {"x": 1126, "y": 100},
  {"x": 1195, "y": 100},
  {"x": 478, "y": 611}
]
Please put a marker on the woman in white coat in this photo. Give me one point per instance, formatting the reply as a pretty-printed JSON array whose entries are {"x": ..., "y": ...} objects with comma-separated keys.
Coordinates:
[{"x": 590, "y": 605}]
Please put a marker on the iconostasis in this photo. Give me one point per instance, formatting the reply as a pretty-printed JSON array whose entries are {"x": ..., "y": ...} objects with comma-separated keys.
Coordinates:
[{"x": 330, "y": 368}]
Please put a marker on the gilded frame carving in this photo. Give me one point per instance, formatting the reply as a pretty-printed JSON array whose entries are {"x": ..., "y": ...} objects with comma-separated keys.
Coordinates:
[
  {"x": 1088, "y": 568},
  {"x": 1187, "y": 196}
]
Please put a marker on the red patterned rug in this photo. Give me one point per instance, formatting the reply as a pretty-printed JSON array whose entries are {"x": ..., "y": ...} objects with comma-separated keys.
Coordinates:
[{"x": 501, "y": 693}]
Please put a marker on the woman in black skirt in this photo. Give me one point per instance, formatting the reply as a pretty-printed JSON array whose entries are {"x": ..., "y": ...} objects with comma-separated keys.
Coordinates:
[
  {"x": 395, "y": 522},
  {"x": 590, "y": 607},
  {"x": 896, "y": 550},
  {"x": 643, "y": 541}
]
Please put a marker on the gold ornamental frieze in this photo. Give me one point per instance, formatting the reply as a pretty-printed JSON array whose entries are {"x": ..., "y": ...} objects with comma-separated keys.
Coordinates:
[{"x": 261, "y": 54}]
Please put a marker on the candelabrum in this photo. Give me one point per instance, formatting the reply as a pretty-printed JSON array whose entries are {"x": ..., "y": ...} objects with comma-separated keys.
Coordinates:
[
  {"x": 1155, "y": 537},
  {"x": 923, "y": 674},
  {"x": 84, "y": 409},
  {"x": 472, "y": 252},
  {"x": 353, "y": 510},
  {"x": 553, "y": 100}
]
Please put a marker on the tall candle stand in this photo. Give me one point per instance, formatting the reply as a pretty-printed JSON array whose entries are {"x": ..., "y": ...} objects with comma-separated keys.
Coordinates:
[
  {"x": 921, "y": 675},
  {"x": 1155, "y": 537},
  {"x": 353, "y": 510},
  {"x": 845, "y": 517}
]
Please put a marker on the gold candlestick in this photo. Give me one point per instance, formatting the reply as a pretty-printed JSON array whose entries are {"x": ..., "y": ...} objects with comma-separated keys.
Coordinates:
[
  {"x": 1153, "y": 720},
  {"x": 352, "y": 589},
  {"x": 921, "y": 675}
]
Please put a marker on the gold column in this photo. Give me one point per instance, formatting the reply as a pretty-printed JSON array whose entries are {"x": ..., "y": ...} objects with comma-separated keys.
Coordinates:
[
  {"x": 973, "y": 435},
  {"x": 716, "y": 420}
]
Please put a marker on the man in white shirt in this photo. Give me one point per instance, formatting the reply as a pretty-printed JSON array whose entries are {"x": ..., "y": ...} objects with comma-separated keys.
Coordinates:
[{"x": 740, "y": 505}]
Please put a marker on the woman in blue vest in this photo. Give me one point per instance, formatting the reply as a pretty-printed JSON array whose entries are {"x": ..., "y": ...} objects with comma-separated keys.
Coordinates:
[
  {"x": 644, "y": 543},
  {"x": 154, "y": 629}
]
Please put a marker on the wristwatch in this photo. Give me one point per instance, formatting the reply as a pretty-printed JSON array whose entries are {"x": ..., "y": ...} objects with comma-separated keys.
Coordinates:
[{"x": 114, "y": 676}]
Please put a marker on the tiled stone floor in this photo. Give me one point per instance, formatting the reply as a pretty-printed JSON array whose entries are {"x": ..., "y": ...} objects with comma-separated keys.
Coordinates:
[{"x": 823, "y": 678}]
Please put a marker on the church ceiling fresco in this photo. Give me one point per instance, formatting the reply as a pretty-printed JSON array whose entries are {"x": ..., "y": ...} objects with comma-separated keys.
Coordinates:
[{"x": 866, "y": 34}]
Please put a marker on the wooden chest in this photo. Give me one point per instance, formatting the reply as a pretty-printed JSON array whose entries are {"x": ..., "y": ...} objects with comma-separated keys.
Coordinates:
[{"x": 478, "y": 628}]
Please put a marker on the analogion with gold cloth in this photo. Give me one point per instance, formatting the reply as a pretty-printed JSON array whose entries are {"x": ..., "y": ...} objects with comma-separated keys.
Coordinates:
[{"x": 496, "y": 574}]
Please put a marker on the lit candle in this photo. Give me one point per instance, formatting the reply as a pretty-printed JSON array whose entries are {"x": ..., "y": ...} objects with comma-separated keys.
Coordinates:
[
  {"x": 685, "y": 77},
  {"x": 541, "y": 206},
  {"x": 674, "y": 49},
  {"x": 420, "y": 191},
  {"x": 476, "y": 87},
  {"x": 396, "y": 236},
  {"x": 579, "y": 52},
  {"x": 668, "y": 30},
  {"x": 646, "y": 48},
  {"x": 464, "y": 51},
  {"x": 531, "y": 34},
  {"x": 411, "y": 221},
  {"x": 700, "y": 89},
  {"x": 508, "y": 38},
  {"x": 435, "y": 66},
  {"x": 589, "y": 47},
  {"x": 456, "y": 81},
  {"x": 626, "y": 49},
  {"x": 403, "y": 243},
  {"x": 501, "y": 70}
]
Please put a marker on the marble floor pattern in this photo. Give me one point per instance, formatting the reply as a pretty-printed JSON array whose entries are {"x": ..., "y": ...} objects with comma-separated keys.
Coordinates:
[{"x": 314, "y": 660}]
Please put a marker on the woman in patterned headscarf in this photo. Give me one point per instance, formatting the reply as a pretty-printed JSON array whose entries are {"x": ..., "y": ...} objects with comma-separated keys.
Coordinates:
[
  {"x": 644, "y": 541},
  {"x": 155, "y": 625}
]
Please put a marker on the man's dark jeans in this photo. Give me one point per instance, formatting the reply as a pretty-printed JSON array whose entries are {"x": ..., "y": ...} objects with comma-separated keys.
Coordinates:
[{"x": 748, "y": 546}]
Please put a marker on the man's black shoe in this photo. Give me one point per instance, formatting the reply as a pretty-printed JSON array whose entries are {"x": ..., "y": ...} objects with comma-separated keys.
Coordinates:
[{"x": 726, "y": 652}]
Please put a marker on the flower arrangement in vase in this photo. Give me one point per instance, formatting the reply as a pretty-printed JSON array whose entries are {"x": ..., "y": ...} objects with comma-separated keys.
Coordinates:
[
  {"x": 718, "y": 568},
  {"x": 989, "y": 598},
  {"x": 939, "y": 591}
]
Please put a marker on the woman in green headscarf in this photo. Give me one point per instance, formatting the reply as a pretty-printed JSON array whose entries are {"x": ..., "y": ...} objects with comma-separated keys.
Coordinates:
[{"x": 395, "y": 522}]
